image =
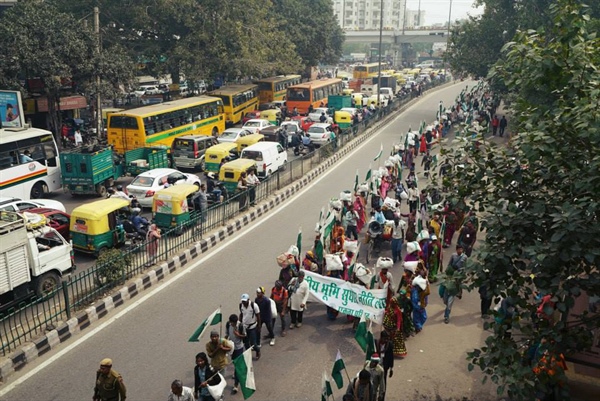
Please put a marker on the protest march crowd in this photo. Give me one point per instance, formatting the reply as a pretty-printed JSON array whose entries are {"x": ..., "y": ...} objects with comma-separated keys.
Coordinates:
[{"x": 415, "y": 224}]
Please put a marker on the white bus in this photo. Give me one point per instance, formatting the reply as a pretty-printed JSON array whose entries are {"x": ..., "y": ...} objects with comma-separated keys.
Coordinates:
[{"x": 29, "y": 163}]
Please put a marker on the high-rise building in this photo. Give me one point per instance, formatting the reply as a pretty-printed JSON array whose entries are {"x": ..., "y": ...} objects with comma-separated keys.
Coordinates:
[
  {"x": 413, "y": 18},
  {"x": 365, "y": 14}
]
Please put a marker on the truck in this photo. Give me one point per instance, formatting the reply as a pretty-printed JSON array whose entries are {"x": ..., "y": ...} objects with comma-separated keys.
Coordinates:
[
  {"x": 338, "y": 102},
  {"x": 143, "y": 159},
  {"x": 89, "y": 171},
  {"x": 33, "y": 257},
  {"x": 387, "y": 81}
]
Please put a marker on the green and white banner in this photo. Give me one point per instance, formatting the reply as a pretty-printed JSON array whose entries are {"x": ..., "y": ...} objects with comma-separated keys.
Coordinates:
[{"x": 345, "y": 297}]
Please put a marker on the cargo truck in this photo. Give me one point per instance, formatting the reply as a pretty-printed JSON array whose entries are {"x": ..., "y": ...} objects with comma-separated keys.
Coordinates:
[
  {"x": 33, "y": 257},
  {"x": 89, "y": 172}
]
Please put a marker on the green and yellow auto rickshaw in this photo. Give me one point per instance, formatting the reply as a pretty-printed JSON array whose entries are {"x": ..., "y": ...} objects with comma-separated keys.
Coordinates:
[
  {"x": 215, "y": 154},
  {"x": 173, "y": 206},
  {"x": 230, "y": 172},
  {"x": 95, "y": 226}
]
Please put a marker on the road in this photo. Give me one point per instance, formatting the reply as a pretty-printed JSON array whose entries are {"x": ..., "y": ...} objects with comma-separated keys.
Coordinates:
[{"x": 147, "y": 340}]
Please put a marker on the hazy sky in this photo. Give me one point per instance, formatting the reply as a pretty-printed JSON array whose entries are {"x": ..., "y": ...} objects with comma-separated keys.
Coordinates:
[{"x": 436, "y": 11}]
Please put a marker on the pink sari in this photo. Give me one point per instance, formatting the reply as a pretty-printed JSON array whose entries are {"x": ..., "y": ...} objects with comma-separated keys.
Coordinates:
[{"x": 360, "y": 209}]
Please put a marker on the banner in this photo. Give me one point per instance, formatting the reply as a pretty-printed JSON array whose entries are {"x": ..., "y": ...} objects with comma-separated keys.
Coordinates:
[{"x": 345, "y": 297}]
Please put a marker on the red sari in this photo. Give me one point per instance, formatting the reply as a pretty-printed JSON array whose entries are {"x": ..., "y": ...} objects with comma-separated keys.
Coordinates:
[
  {"x": 423, "y": 144},
  {"x": 359, "y": 206}
]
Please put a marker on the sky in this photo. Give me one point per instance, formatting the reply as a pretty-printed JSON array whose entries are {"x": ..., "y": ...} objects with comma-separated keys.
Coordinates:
[{"x": 436, "y": 11}]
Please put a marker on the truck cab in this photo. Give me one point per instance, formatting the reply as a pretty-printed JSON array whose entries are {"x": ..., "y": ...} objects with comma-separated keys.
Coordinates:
[{"x": 33, "y": 260}]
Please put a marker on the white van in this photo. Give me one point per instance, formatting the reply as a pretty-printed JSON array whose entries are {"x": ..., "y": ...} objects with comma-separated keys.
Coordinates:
[
  {"x": 269, "y": 157},
  {"x": 387, "y": 92}
]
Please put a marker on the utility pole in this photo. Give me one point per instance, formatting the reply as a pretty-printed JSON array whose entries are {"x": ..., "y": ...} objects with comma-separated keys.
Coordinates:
[
  {"x": 379, "y": 69},
  {"x": 404, "y": 18},
  {"x": 98, "y": 100},
  {"x": 419, "y": 13},
  {"x": 448, "y": 38}
]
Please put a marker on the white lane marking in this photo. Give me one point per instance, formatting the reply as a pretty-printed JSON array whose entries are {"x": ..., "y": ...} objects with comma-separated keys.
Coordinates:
[{"x": 188, "y": 270}]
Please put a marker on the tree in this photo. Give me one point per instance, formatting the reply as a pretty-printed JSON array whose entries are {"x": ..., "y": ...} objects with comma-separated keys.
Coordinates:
[
  {"x": 313, "y": 29},
  {"x": 538, "y": 201},
  {"x": 475, "y": 45},
  {"x": 38, "y": 41}
]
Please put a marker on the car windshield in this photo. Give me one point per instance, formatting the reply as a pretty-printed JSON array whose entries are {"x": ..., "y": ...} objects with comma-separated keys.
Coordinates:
[
  {"x": 316, "y": 130},
  {"x": 141, "y": 181},
  {"x": 252, "y": 124},
  {"x": 228, "y": 134}
]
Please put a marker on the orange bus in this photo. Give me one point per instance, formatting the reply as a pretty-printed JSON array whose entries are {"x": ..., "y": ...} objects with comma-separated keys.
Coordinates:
[{"x": 303, "y": 95}]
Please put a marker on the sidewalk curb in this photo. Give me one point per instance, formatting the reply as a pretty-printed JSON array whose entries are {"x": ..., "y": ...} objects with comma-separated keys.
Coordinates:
[{"x": 30, "y": 351}]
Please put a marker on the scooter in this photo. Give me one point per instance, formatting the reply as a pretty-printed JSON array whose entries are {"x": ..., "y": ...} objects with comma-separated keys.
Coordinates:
[{"x": 212, "y": 197}]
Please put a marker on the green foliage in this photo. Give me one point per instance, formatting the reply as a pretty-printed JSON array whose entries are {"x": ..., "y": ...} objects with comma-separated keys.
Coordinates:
[
  {"x": 538, "y": 198},
  {"x": 111, "y": 267},
  {"x": 39, "y": 41}
]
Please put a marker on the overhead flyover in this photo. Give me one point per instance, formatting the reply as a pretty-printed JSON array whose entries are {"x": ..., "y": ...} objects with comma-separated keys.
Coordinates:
[{"x": 396, "y": 36}]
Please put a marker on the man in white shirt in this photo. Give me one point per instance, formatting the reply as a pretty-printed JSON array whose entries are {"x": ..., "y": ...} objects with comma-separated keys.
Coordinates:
[
  {"x": 179, "y": 392},
  {"x": 252, "y": 181},
  {"x": 250, "y": 317},
  {"x": 78, "y": 138}
]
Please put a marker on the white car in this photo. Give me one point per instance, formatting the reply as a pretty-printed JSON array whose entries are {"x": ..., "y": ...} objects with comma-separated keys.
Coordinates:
[
  {"x": 319, "y": 133},
  {"x": 315, "y": 115},
  {"x": 19, "y": 205},
  {"x": 232, "y": 135},
  {"x": 147, "y": 90},
  {"x": 146, "y": 184},
  {"x": 256, "y": 125}
]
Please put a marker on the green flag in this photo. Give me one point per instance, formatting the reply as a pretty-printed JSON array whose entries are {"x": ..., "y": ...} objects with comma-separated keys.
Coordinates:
[
  {"x": 379, "y": 154},
  {"x": 418, "y": 216},
  {"x": 245, "y": 373},
  {"x": 368, "y": 176},
  {"x": 336, "y": 373},
  {"x": 326, "y": 389},
  {"x": 364, "y": 337},
  {"x": 299, "y": 241},
  {"x": 214, "y": 318},
  {"x": 356, "y": 181}
]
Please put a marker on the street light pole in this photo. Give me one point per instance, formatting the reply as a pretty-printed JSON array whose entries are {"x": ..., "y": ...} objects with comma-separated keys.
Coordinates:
[
  {"x": 448, "y": 38},
  {"x": 379, "y": 69},
  {"x": 98, "y": 100}
]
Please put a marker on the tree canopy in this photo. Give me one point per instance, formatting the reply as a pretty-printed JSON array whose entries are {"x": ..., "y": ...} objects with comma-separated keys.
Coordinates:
[{"x": 538, "y": 201}]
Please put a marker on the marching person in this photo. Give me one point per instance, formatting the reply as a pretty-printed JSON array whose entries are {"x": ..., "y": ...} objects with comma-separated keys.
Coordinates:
[
  {"x": 109, "y": 383},
  {"x": 279, "y": 294},
  {"x": 179, "y": 392},
  {"x": 217, "y": 350},
  {"x": 377, "y": 376},
  {"x": 250, "y": 317},
  {"x": 204, "y": 375},
  {"x": 298, "y": 298},
  {"x": 235, "y": 333}
]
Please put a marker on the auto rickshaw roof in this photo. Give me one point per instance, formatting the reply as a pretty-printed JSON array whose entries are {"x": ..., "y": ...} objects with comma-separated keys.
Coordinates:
[
  {"x": 98, "y": 209},
  {"x": 179, "y": 191},
  {"x": 239, "y": 164}
]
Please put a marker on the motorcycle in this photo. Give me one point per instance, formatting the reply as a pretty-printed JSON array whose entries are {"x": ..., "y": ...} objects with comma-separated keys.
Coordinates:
[
  {"x": 214, "y": 197},
  {"x": 134, "y": 238}
]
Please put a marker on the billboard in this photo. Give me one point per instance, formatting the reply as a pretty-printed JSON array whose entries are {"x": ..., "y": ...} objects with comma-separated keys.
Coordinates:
[{"x": 11, "y": 109}]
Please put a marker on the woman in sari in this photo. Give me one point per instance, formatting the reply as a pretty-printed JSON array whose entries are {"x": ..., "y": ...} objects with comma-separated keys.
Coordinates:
[
  {"x": 392, "y": 323},
  {"x": 418, "y": 299},
  {"x": 359, "y": 207}
]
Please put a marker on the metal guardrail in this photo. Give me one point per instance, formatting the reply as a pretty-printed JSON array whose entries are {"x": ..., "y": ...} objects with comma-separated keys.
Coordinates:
[{"x": 29, "y": 319}]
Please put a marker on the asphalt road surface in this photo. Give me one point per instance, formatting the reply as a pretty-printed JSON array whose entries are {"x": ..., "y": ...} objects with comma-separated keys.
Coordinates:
[{"x": 147, "y": 339}]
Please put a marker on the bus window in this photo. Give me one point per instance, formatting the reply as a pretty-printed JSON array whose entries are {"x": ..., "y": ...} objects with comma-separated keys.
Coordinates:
[
  {"x": 123, "y": 122},
  {"x": 298, "y": 94}
]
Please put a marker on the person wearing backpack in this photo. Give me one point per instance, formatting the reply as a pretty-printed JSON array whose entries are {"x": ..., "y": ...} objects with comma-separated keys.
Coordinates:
[
  {"x": 236, "y": 333},
  {"x": 279, "y": 294},
  {"x": 250, "y": 318},
  {"x": 449, "y": 290}
]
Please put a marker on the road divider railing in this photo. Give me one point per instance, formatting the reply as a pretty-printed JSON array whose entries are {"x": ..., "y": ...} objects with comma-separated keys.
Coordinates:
[{"x": 30, "y": 319}]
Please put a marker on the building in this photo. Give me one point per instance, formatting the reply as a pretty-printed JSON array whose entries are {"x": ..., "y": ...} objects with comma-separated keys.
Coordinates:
[
  {"x": 366, "y": 14},
  {"x": 413, "y": 19}
]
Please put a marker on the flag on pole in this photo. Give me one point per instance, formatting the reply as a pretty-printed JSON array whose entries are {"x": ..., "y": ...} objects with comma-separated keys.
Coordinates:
[
  {"x": 336, "y": 373},
  {"x": 326, "y": 389},
  {"x": 364, "y": 337},
  {"x": 356, "y": 181},
  {"x": 245, "y": 373},
  {"x": 299, "y": 241},
  {"x": 418, "y": 216},
  {"x": 379, "y": 154},
  {"x": 214, "y": 318},
  {"x": 368, "y": 176}
]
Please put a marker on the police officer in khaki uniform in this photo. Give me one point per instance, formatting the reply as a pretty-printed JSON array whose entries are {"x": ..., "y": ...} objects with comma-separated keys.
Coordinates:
[{"x": 109, "y": 383}]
